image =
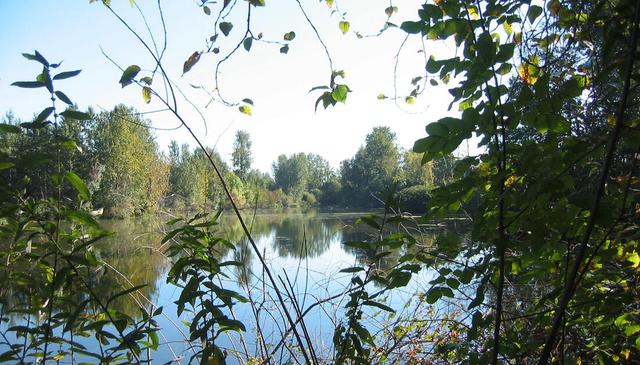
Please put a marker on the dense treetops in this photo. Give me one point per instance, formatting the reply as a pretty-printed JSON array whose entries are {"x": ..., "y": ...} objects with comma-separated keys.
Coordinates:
[{"x": 127, "y": 173}]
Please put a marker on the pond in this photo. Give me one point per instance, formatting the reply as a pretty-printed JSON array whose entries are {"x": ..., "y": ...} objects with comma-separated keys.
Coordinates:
[{"x": 303, "y": 249}]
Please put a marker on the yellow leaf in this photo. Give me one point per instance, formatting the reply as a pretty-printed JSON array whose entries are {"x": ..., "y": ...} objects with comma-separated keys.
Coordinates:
[
  {"x": 511, "y": 179},
  {"x": 58, "y": 357},
  {"x": 473, "y": 12},
  {"x": 409, "y": 100},
  {"x": 245, "y": 109},
  {"x": 529, "y": 73},
  {"x": 625, "y": 353},
  {"x": 146, "y": 94},
  {"x": 611, "y": 120},
  {"x": 507, "y": 28}
]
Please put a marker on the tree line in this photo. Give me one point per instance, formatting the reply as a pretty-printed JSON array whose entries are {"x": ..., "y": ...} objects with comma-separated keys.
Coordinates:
[{"x": 117, "y": 155}]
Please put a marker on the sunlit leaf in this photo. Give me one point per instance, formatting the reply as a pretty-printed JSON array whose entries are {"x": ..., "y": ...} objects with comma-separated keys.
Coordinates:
[
  {"x": 245, "y": 109},
  {"x": 6, "y": 165},
  {"x": 78, "y": 184},
  {"x": 82, "y": 218},
  {"x": 339, "y": 94},
  {"x": 344, "y": 26},
  {"x": 146, "y": 94},
  {"x": 129, "y": 74}
]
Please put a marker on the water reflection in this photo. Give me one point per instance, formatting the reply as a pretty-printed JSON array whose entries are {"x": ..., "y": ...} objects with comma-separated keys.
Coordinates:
[{"x": 134, "y": 256}]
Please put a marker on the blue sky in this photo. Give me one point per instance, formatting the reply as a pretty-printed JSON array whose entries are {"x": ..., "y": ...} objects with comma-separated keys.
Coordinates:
[{"x": 283, "y": 121}]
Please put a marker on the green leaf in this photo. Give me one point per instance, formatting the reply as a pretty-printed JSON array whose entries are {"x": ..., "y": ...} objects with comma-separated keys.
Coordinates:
[
  {"x": 257, "y": 2},
  {"x": 28, "y": 84},
  {"x": 434, "y": 294},
  {"x": 248, "y": 101},
  {"x": 63, "y": 97},
  {"x": 352, "y": 269},
  {"x": 6, "y": 165},
  {"x": 534, "y": 12},
  {"x": 66, "y": 75},
  {"x": 247, "y": 43},
  {"x": 128, "y": 75},
  {"x": 371, "y": 303},
  {"x": 206, "y": 10},
  {"x": 339, "y": 94},
  {"x": 226, "y": 27},
  {"x": 327, "y": 99},
  {"x": 412, "y": 27},
  {"x": 289, "y": 36},
  {"x": 622, "y": 320},
  {"x": 36, "y": 57},
  {"x": 43, "y": 115},
  {"x": 284, "y": 49},
  {"x": 82, "y": 218},
  {"x": 632, "y": 330},
  {"x": 390, "y": 10},
  {"x": 381, "y": 97},
  {"x": 245, "y": 109},
  {"x": 78, "y": 184},
  {"x": 505, "y": 52},
  {"x": 71, "y": 145},
  {"x": 192, "y": 60},
  {"x": 147, "y": 80},
  {"x": 485, "y": 48},
  {"x": 45, "y": 78},
  {"x": 74, "y": 114},
  {"x": 344, "y": 26}
]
